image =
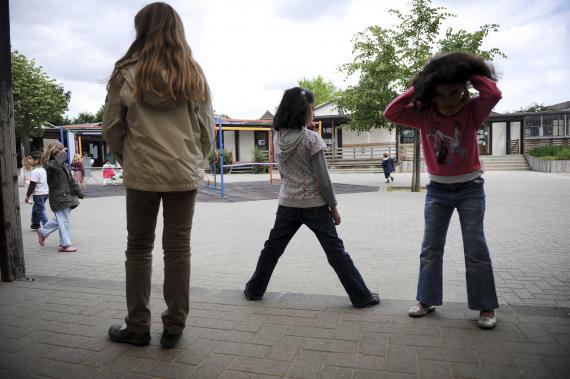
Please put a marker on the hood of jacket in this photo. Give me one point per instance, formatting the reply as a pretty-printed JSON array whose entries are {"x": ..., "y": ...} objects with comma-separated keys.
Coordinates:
[
  {"x": 164, "y": 103},
  {"x": 286, "y": 141}
]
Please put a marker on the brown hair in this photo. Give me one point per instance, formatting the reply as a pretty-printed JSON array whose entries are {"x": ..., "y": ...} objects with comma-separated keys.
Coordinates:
[
  {"x": 52, "y": 150},
  {"x": 447, "y": 68},
  {"x": 164, "y": 62}
]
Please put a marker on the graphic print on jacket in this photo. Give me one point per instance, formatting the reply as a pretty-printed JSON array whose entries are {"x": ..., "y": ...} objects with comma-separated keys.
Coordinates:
[{"x": 446, "y": 147}]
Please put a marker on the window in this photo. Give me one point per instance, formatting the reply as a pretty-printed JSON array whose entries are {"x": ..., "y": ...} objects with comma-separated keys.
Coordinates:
[
  {"x": 532, "y": 126},
  {"x": 407, "y": 135}
]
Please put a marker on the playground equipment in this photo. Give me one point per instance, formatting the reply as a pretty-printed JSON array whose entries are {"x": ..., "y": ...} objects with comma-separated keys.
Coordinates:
[{"x": 219, "y": 157}]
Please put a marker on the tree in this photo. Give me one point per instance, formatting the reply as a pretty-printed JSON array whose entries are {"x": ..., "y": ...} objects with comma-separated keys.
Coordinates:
[
  {"x": 38, "y": 99},
  {"x": 85, "y": 117},
  {"x": 385, "y": 59},
  {"x": 100, "y": 112},
  {"x": 323, "y": 90},
  {"x": 534, "y": 107}
]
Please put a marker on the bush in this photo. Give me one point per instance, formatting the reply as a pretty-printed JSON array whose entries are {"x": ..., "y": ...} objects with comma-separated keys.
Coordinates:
[
  {"x": 551, "y": 152},
  {"x": 259, "y": 157},
  {"x": 215, "y": 162}
]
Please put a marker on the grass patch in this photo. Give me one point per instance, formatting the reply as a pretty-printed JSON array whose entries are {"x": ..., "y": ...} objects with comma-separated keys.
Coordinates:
[{"x": 551, "y": 152}]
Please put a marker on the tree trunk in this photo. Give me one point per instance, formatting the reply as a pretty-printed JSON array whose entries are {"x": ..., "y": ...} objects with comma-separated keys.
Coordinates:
[
  {"x": 416, "y": 166},
  {"x": 11, "y": 247}
]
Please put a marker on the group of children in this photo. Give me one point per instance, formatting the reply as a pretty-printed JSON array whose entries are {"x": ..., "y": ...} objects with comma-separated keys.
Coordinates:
[
  {"x": 159, "y": 96},
  {"x": 50, "y": 178}
]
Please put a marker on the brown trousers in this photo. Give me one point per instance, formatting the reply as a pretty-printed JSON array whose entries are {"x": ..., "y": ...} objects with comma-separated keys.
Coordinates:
[{"x": 142, "y": 211}]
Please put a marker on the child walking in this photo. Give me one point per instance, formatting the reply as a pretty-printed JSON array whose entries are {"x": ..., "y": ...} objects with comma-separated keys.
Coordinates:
[
  {"x": 438, "y": 103},
  {"x": 158, "y": 123},
  {"x": 306, "y": 198},
  {"x": 108, "y": 173},
  {"x": 38, "y": 191},
  {"x": 63, "y": 196},
  {"x": 388, "y": 167}
]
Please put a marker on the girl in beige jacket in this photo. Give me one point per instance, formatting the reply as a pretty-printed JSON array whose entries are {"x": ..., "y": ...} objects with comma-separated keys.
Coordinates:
[{"x": 158, "y": 124}]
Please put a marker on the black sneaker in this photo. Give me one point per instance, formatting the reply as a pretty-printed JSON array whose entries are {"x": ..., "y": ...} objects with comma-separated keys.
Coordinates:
[
  {"x": 120, "y": 333},
  {"x": 250, "y": 297},
  {"x": 35, "y": 226},
  {"x": 374, "y": 300},
  {"x": 168, "y": 341}
]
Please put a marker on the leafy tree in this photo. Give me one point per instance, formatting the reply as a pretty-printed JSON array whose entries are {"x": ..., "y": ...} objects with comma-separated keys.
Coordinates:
[
  {"x": 38, "y": 99},
  {"x": 385, "y": 59},
  {"x": 534, "y": 107},
  {"x": 85, "y": 117},
  {"x": 99, "y": 114},
  {"x": 323, "y": 90}
]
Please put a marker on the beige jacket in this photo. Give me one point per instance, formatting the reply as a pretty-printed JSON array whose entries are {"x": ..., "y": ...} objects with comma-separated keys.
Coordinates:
[{"x": 160, "y": 144}]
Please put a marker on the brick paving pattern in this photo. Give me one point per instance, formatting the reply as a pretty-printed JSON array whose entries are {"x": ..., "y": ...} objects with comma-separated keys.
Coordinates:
[{"x": 55, "y": 325}]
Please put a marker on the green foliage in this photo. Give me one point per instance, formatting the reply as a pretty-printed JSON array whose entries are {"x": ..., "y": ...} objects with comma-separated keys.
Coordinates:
[
  {"x": 84, "y": 118},
  {"x": 551, "y": 152},
  {"x": 214, "y": 161},
  {"x": 534, "y": 107},
  {"x": 385, "y": 59},
  {"x": 38, "y": 99},
  {"x": 100, "y": 112},
  {"x": 259, "y": 156},
  {"x": 323, "y": 90}
]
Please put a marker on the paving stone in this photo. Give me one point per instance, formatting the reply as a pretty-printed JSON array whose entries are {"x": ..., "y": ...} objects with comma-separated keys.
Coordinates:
[
  {"x": 355, "y": 361},
  {"x": 432, "y": 369},
  {"x": 337, "y": 373},
  {"x": 212, "y": 367},
  {"x": 242, "y": 349},
  {"x": 65, "y": 370},
  {"x": 308, "y": 364},
  {"x": 330, "y": 345},
  {"x": 373, "y": 344},
  {"x": 162, "y": 369},
  {"x": 309, "y": 331},
  {"x": 197, "y": 352},
  {"x": 402, "y": 359},
  {"x": 259, "y": 366},
  {"x": 348, "y": 330}
]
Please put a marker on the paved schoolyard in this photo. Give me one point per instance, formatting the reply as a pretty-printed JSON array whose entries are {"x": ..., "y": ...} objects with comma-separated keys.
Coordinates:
[{"x": 55, "y": 325}]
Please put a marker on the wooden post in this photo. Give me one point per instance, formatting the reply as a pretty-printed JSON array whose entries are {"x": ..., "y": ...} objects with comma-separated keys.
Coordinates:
[{"x": 12, "y": 265}]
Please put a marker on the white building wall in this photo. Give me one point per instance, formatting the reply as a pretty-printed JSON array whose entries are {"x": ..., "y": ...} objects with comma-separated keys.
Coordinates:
[
  {"x": 499, "y": 138},
  {"x": 230, "y": 143},
  {"x": 375, "y": 136},
  {"x": 246, "y": 145},
  {"x": 515, "y": 130}
]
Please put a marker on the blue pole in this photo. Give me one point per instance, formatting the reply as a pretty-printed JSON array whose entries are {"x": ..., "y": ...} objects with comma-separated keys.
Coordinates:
[{"x": 221, "y": 147}]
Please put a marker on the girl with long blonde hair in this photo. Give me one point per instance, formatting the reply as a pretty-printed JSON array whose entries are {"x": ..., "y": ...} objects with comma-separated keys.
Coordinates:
[
  {"x": 158, "y": 124},
  {"x": 64, "y": 193}
]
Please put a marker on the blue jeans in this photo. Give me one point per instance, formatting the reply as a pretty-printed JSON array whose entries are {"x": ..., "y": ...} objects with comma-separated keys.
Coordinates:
[
  {"x": 469, "y": 200},
  {"x": 60, "y": 222},
  {"x": 39, "y": 210},
  {"x": 319, "y": 220}
]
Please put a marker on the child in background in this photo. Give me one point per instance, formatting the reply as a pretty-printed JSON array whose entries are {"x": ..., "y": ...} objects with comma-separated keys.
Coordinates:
[
  {"x": 78, "y": 170},
  {"x": 108, "y": 173},
  {"x": 438, "y": 103},
  {"x": 388, "y": 167},
  {"x": 26, "y": 170},
  {"x": 63, "y": 196},
  {"x": 38, "y": 190},
  {"x": 306, "y": 198}
]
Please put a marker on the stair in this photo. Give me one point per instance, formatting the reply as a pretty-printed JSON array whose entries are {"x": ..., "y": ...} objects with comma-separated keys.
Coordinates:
[{"x": 505, "y": 163}]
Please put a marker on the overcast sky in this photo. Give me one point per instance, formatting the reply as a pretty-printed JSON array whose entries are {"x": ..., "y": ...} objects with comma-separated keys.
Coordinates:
[{"x": 251, "y": 50}]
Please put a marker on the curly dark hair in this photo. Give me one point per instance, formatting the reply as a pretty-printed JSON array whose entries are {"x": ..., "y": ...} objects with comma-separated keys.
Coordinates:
[
  {"x": 447, "y": 68},
  {"x": 293, "y": 108}
]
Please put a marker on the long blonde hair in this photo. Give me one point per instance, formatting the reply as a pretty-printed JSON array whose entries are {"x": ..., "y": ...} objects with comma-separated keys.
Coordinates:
[
  {"x": 164, "y": 62},
  {"x": 52, "y": 150}
]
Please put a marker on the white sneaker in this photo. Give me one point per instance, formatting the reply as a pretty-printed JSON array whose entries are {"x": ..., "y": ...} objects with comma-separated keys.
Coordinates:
[
  {"x": 485, "y": 322},
  {"x": 420, "y": 310}
]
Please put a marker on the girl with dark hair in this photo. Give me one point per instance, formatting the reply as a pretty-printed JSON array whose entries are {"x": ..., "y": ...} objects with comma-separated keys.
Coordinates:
[
  {"x": 158, "y": 123},
  {"x": 439, "y": 104},
  {"x": 306, "y": 198}
]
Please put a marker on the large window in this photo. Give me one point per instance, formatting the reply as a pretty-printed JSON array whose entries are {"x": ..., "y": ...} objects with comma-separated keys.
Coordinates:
[
  {"x": 407, "y": 135},
  {"x": 550, "y": 125}
]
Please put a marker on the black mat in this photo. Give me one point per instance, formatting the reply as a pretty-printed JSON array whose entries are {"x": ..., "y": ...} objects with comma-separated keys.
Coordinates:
[{"x": 234, "y": 192}]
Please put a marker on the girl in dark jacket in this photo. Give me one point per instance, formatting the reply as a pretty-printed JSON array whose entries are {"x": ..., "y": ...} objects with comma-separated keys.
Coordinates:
[{"x": 63, "y": 196}]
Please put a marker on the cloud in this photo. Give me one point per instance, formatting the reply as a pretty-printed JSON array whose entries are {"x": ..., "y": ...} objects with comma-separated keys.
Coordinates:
[{"x": 251, "y": 50}]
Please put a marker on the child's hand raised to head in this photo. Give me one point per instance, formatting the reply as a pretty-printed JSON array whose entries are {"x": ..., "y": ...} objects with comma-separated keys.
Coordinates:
[{"x": 335, "y": 215}]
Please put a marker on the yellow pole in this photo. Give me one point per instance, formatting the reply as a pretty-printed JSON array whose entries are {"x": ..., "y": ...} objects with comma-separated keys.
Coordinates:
[{"x": 80, "y": 149}]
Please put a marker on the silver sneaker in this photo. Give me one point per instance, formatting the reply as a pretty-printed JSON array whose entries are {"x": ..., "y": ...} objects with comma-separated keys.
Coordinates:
[
  {"x": 420, "y": 310},
  {"x": 487, "y": 322}
]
